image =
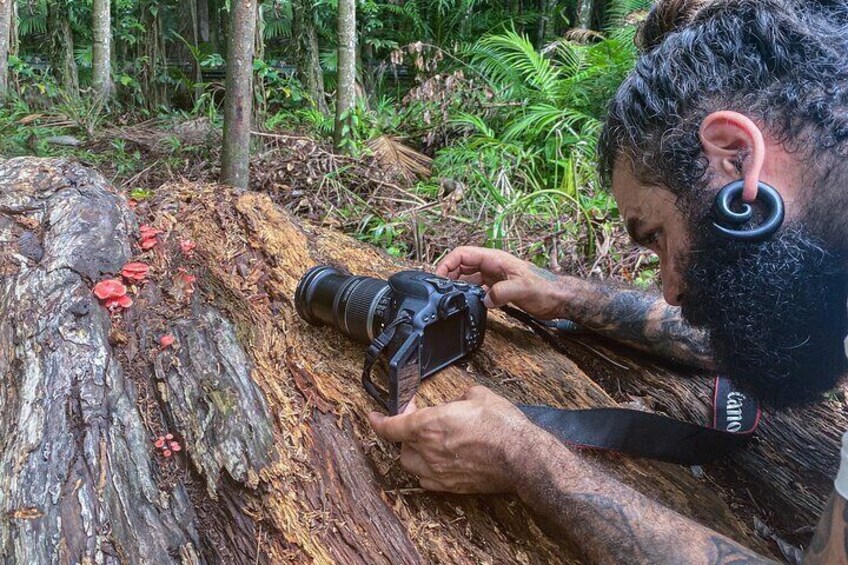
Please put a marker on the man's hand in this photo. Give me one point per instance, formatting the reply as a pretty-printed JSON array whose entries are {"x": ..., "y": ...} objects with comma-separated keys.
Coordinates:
[
  {"x": 466, "y": 446},
  {"x": 508, "y": 278}
]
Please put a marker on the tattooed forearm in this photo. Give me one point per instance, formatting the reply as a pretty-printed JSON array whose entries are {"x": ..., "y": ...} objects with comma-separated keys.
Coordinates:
[
  {"x": 639, "y": 319},
  {"x": 830, "y": 543},
  {"x": 609, "y": 521}
]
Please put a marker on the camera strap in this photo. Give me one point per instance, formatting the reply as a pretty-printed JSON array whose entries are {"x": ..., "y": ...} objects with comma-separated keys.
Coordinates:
[
  {"x": 372, "y": 354},
  {"x": 645, "y": 434}
]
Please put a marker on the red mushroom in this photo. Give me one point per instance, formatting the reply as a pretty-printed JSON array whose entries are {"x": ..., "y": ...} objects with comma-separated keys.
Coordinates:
[
  {"x": 136, "y": 272},
  {"x": 159, "y": 443},
  {"x": 187, "y": 247},
  {"x": 165, "y": 341},
  {"x": 110, "y": 288},
  {"x": 148, "y": 236},
  {"x": 117, "y": 302}
]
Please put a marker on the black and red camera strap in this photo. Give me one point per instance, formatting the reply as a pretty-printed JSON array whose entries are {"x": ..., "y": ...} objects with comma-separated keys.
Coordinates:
[{"x": 645, "y": 434}]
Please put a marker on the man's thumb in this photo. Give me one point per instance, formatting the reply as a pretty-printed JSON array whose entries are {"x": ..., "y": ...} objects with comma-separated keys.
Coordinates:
[{"x": 504, "y": 292}]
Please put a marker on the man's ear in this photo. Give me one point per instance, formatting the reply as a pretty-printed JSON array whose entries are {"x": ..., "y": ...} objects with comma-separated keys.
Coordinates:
[{"x": 728, "y": 136}]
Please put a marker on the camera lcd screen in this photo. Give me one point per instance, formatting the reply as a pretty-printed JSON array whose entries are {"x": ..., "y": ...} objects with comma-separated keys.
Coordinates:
[{"x": 444, "y": 343}]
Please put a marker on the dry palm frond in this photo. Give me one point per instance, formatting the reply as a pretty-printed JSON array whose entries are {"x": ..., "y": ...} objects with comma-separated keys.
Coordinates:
[
  {"x": 583, "y": 36},
  {"x": 392, "y": 154}
]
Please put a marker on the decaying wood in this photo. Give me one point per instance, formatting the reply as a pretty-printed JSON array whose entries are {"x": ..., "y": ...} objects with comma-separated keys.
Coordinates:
[{"x": 278, "y": 462}]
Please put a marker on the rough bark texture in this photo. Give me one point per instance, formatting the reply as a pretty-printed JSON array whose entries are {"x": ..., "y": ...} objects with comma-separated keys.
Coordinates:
[
  {"x": 238, "y": 105},
  {"x": 101, "y": 61},
  {"x": 278, "y": 461},
  {"x": 6, "y": 12},
  {"x": 346, "y": 88}
]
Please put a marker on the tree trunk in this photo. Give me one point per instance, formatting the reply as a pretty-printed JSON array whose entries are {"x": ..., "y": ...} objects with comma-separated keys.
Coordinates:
[
  {"x": 195, "y": 38},
  {"x": 306, "y": 52},
  {"x": 584, "y": 14},
  {"x": 346, "y": 88},
  {"x": 277, "y": 460},
  {"x": 6, "y": 13},
  {"x": 238, "y": 104},
  {"x": 63, "y": 48},
  {"x": 101, "y": 63},
  {"x": 203, "y": 19},
  {"x": 546, "y": 7}
]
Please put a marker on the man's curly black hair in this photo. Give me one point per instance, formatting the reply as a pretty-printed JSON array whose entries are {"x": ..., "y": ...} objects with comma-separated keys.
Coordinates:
[{"x": 782, "y": 63}]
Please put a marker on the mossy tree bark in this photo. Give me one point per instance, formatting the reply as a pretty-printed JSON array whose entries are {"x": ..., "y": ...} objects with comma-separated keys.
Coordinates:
[{"x": 278, "y": 462}]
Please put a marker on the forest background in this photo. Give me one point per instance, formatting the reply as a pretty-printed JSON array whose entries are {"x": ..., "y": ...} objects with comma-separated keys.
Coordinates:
[{"x": 416, "y": 125}]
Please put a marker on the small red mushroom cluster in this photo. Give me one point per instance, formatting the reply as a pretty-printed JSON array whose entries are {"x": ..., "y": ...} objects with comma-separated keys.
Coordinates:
[
  {"x": 148, "y": 238},
  {"x": 167, "y": 445},
  {"x": 166, "y": 340},
  {"x": 135, "y": 272},
  {"x": 113, "y": 294},
  {"x": 187, "y": 247}
]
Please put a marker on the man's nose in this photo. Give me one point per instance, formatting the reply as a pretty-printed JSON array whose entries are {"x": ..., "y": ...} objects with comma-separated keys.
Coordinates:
[{"x": 671, "y": 285}]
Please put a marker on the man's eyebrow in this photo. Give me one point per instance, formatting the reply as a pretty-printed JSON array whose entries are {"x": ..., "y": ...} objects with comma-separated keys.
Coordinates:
[{"x": 634, "y": 229}]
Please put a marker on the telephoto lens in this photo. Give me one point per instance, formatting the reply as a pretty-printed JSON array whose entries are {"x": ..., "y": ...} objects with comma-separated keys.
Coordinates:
[{"x": 354, "y": 305}]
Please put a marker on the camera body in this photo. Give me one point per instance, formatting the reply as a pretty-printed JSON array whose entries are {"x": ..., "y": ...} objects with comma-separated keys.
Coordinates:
[{"x": 421, "y": 323}]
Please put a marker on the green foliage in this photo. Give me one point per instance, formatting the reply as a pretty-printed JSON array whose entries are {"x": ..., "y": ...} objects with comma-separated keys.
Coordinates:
[{"x": 531, "y": 151}]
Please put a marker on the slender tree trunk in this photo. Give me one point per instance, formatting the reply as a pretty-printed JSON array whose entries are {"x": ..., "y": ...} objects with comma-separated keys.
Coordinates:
[
  {"x": 238, "y": 104},
  {"x": 70, "y": 75},
  {"x": 195, "y": 37},
  {"x": 306, "y": 52},
  {"x": 545, "y": 9},
  {"x": 203, "y": 19},
  {"x": 346, "y": 89},
  {"x": 584, "y": 13},
  {"x": 63, "y": 49},
  {"x": 102, "y": 51},
  {"x": 6, "y": 10}
]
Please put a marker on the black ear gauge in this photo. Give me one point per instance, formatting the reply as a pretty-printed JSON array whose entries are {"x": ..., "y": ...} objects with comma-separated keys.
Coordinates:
[{"x": 730, "y": 223}]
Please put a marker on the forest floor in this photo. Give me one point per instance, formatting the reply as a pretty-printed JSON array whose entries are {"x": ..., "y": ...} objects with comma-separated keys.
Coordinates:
[{"x": 363, "y": 196}]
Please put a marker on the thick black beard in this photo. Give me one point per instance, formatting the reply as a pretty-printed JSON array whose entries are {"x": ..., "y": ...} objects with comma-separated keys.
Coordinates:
[{"x": 775, "y": 312}]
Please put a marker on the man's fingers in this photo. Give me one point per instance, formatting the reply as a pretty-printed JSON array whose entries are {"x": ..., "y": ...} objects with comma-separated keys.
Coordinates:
[
  {"x": 410, "y": 408},
  {"x": 432, "y": 484},
  {"x": 394, "y": 428},
  {"x": 468, "y": 260},
  {"x": 477, "y": 391},
  {"x": 476, "y": 278},
  {"x": 413, "y": 462},
  {"x": 504, "y": 292}
]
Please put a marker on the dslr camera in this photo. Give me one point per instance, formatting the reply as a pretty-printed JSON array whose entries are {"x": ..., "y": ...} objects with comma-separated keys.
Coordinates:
[{"x": 421, "y": 323}]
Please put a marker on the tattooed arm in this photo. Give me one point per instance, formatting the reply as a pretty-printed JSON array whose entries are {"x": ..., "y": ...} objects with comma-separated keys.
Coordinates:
[
  {"x": 830, "y": 544},
  {"x": 483, "y": 443},
  {"x": 609, "y": 521},
  {"x": 639, "y": 319}
]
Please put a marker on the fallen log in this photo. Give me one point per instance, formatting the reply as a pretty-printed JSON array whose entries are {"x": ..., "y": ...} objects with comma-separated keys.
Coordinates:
[{"x": 276, "y": 459}]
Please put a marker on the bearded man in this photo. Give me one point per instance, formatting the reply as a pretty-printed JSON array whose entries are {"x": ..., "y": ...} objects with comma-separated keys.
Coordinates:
[{"x": 747, "y": 91}]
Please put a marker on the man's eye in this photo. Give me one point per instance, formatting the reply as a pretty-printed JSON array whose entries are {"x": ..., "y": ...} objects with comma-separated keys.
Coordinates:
[{"x": 652, "y": 238}]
